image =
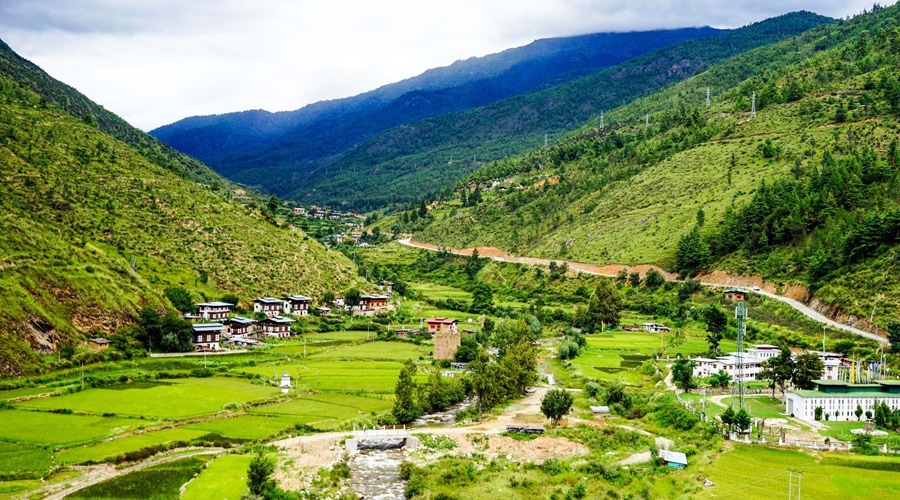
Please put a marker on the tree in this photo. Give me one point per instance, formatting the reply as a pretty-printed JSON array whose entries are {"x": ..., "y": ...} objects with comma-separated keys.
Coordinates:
[
  {"x": 893, "y": 329},
  {"x": 605, "y": 306},
  {"x": 683, "y": 373},
  {"x": 692, "y": 253},
  {"x": 622, "y": 277},
  {"x": 483, "y": 376},
  {"x": 473, "y": 265},
  {"x": 482, "y": 299},
  {"x": 634, "y": 279},
  {"x": 716, "y": 322},
  {"x": 327, "y": 298},
  {"x": 727, "y": 418},
  {"x": 721, "y": 379},
  {"x": 555, "y": 404},
  {"x": 230, "y": 298},
  {"x": 510, "y": 333},
  {"x": 151, "y": 323},
  {"x": 808, "y": 368},
  {"x": 352, "y": 297},
  {"x": 468, "y": 348},
  {"x": 405, "y": 409},
  {"x": 858, "y": 412},
  {"x": 436, "y": 398},
  {"x": 180, "y": 298},
  {"x": 176, "y": 334},
  {"x": 654, "y": 279},
  {"x": 258, "y": 475},
  {"x": 778, "y": 371},
  {"x": 519, "y": 367},
  {"x": 742, "y": 420}
]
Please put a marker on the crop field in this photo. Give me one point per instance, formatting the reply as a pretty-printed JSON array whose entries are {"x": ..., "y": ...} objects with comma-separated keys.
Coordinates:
[
  {"x": 162, "y": 399},
  {"x": 336, "y": 375},
  {"x": 377, "y": 351},
  {"x": 609, "y": 364},
  {"x": 53, "y": 429},
  {"x": 99, "y": 452},
  {"x": 693, "y": 346},
  {"x": 23, "y": 460},
  {"x": 245, "y": 427},
  {"x": 325, "y": 410},
  {"x": 161, "y": 482},
  {"x": 757, "y": 472},
  {"x": 645, "y": 343},
  {"x": 225, "y": 477},
  {"x": 26, "y": 391},
  {"x": 441, "y": 292}
]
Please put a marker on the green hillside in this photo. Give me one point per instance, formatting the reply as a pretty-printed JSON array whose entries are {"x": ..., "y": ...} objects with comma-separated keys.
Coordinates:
[
  {"x": 806, "y": 192},
  {"x": 419, "y": 160},
  {"x": 68, "y": 99},
  {"x": 92, "y": 230}
]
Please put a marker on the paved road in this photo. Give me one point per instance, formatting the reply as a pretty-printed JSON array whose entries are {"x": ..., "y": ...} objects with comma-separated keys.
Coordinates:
[{"x": 592, "y": 269}]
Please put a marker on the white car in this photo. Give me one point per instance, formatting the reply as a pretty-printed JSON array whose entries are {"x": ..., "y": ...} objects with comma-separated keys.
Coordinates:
[{"x": 755, "y": 289}]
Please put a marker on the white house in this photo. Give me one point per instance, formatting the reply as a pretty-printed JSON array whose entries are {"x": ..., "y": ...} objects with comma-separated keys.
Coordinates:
[
  {"x": 839, "y": 399},
  {"x": 297, "y": 305},
  {"x": 206, "y": 336},
  {"x": 268, "y": 305},
  {"x": 214, "y": 310},
  {"x": 752, "y": 362},
  {"x": 655, "y": 328}
]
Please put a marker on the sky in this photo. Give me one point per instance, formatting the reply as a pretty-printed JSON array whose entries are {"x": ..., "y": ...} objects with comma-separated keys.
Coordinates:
[{"x": 154, "y": 62}]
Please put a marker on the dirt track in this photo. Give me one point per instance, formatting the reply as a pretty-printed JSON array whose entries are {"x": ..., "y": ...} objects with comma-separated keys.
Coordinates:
[{"x": 793, "y": 295}]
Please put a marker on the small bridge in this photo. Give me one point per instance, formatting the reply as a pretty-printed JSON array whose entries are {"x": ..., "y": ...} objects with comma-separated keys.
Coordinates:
[{"x": 381, "y": 439}]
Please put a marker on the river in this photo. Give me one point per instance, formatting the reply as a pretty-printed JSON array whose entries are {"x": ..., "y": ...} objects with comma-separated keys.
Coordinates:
[{"x": 376, "y": 474}]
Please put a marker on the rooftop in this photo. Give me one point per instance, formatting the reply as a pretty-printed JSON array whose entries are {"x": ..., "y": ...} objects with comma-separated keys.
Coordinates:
[
  {"x": 673, "y": 456},
  {"x": 278, "y": 319},
  {"x": 269, "y": 300},
  {"x": 299, "y": 298},
  {"x": 214, "y": 304},
  {"x": 242, "y": 320},
  {"x": 441, "y": 320},
  {"x": 208, "y": 327}
]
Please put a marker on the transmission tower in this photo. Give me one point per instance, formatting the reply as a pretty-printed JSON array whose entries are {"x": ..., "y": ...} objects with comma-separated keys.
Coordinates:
[
  {"x": 647, "y": 120},
  {"x": 753, "y": 106},
  {"x": 737, "y": 388},
  {"x": 601, "y": 119},
  {"x": 707, "y": 96}
]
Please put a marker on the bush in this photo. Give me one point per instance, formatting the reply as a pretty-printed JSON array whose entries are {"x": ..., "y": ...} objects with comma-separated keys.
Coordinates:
[{"x": 592, "y": 390}]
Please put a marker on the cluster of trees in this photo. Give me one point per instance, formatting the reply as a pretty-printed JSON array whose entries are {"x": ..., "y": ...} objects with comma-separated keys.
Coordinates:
[
  {"x": 169, "y": 333},
  {"x": 603, "y": 310},
  {"x": 736, "y": 420},
  {"x": 488, "y": 378}
]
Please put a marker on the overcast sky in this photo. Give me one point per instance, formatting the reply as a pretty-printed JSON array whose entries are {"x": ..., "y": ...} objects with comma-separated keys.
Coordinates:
[{"x": 154, "y": 62}]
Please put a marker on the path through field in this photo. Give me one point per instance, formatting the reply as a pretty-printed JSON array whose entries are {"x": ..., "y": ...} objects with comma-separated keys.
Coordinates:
[{"x": 717, "y": 278}]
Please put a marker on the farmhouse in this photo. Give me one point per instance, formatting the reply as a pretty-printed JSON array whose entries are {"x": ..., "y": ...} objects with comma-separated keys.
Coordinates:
[
  {"x": 839, "y": 399},
  {"x": 322, "y": 310},
  {"x": 752, "y": 361},
  {"x": 214, "y": 310},
  {"x": 275, "y": 327},
  {"x": 239, "y": 326},
  {"x": 373, "y": 302},
  {"x": 206, "y": 336},
  {"x": 735, "y": 295},
  {"x": 441, "y": 325},
  {"x": 386, "y": 286},
  {"x": 297, "y": 305},
  {"x": 270, "y": 306},
  {"x": 655, "y": 328}
]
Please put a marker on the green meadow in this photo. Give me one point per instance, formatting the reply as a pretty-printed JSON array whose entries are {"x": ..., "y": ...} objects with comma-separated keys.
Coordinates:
[
  {"x": 104, "y": 450},
  {"x": 325, "y": 410},
  {"x": 56, "y": 430},
  {"x": 160, "y": 482},
  {"x": 169, "y": 399},
  {"x": 225, "y": 477},
  {"x": 759, "y": 472}
]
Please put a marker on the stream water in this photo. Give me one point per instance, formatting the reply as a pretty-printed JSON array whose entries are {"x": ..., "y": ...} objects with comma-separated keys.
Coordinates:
[
  {"x": 444, "y": 418},
  {"x": 376, "y": 474}
]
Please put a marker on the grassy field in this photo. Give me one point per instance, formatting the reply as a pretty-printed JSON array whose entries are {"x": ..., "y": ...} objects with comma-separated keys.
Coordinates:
[
  {"x": 161, "y": 482},
  {"x": 756, "y": 472},
  {"x": 441, "y": 292},
  {"x": 99, "y": 452},
  {"x": 646, "y": 343},
  {"x": 21, "y": 460},
  {"x": 377, "y": 351},
  {"x": 225, "y": 477},
  {"x": 60, "y": 430},
  {"x": 245, "y": 427},
  {"x": 163, "y": 399},
  {"x": 336, "y": 375},
  {"x": 325, "y": 410}
]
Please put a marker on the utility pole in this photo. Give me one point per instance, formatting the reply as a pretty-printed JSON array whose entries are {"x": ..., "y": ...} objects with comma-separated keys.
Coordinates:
[
  {"x": 545, "y": 140},
  {"x": 601, "y": 118},
  {"x": 753, "y": 106},
  {"x": 647, "y": 120},
  {"x": 707, "y": 96}
]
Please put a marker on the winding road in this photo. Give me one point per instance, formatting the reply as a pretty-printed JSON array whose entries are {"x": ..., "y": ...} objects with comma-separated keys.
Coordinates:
[{"x": 612, "y": 270}]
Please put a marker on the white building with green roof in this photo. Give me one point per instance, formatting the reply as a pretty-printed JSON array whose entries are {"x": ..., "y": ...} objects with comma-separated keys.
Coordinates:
[{"x": 839, "y": 399}]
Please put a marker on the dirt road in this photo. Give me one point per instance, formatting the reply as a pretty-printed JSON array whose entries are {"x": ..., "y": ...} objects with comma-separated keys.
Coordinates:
[{"x": 717, "y": 278}]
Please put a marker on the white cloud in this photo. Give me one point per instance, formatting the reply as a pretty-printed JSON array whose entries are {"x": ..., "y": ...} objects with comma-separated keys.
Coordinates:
[{"x": 156, "y": 62}]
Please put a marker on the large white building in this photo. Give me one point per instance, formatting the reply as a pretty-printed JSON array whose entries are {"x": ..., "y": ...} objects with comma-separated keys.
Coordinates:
[
  {"x": 839, "y": 399},
  {"x": 753, "y": 360}
]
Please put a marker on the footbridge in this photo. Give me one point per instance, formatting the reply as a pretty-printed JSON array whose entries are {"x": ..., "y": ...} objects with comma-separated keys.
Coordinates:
[{"x": 381, "y": 439}]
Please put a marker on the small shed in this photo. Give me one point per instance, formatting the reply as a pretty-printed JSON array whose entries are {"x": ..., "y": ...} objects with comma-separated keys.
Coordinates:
[
  {"x": 600, "y": 410},
  {"x": 674, "y": 459},
  {"x": 99, "y": 343},
  {"x": 735, "y": 295}
]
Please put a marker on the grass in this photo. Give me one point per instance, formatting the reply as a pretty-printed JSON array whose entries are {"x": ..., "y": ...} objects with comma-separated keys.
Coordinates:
[
  {"x": 102, "y": 451},
  {"x": 53, "y": 429},
  {"x": 336, "y": 375},
  {"x": 758, "y": 472},
  {"x": 168, "y": 400},
  {"x": 646, "y": 343},
  {"x": 325, "y": 410},
  {"x": 245, "y": 427},
  {"x": 161, "y": 482},
  {"x": 377, "y": 351},
  {"x": 19, "y": 460},
  {"x": 841, "y": 430},
  {"x": 225, "y": 477},
  {"x": 441, "y": 292}
]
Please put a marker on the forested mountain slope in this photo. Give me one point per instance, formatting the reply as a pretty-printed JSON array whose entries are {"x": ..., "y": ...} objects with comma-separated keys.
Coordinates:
[
  {"x": 54, "y": 92},
  {"x": 420, "y": 159},
  {"x": 304, "y": 138},
  {"x": 807, "y": 191},
  {"x": 93, "y": 231}
]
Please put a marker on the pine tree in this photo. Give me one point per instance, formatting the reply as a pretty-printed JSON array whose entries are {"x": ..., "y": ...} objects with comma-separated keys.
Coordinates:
[{"x": 405, "y": 408}]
